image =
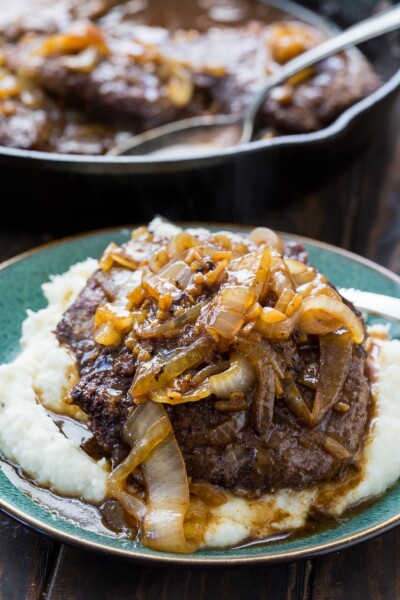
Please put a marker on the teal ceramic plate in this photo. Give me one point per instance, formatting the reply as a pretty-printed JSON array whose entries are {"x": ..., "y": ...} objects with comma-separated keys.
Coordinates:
[{"x": 20, "y": 281}]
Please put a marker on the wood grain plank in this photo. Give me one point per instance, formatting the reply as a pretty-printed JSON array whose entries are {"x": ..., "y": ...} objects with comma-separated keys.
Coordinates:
[
  {"x": 81, "y": 575},
  {"x": 369, "y": 571},
  {"x": 27, "y": 559}
]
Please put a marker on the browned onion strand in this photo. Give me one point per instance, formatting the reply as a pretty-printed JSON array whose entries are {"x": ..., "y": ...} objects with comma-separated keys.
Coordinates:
[
  {"x": 231, "y": 405},
  {"x": 211, "y": 494},
  {"x": 208, "y": 371},
  {"x": 225, "y": 314},
  {"x": 146, "y": 421},
  {"x": 131, "y": 503},
  {"x": 238, "y": 378},
  {"x": 276, "y": 325},
  {"x": 196, "y": 519},
  {"x": 170, "y": 396},
  {"x": 262, "y": 360},
  {"x": 226, "y": 431},
  {"x": 296, "y": 402},
  {"x": 324, "y": 309},
  {"x": 334, "y": 363},
  {"x": 250, "y": 270},
  {"x": 335, "y": 448},
  {"x": 154, "y": 447},
  {"x": 168, "y": 499},
  {"x": 172, "y": 325},
  {"x": 74, "y": 41},
  {"x": 264, "y": 402},
  {"x": 158, "y": 427},
  {"x": 146, "y": 427},
  {"x": 159, "y": 371},
  {"x": 246, "y": 277}
]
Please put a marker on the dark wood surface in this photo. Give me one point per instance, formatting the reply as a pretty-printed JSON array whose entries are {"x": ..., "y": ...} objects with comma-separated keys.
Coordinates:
[{"x": 367, "y": 193}]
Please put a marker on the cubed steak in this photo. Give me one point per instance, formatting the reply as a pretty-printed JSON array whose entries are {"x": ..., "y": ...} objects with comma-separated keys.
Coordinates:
[{"x": 224, "y": 442}]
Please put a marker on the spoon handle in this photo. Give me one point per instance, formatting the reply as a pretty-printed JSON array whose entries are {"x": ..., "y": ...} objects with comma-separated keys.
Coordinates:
[
  {"x": 376, "y": 304},
  {"x": 361, "y": 32}
]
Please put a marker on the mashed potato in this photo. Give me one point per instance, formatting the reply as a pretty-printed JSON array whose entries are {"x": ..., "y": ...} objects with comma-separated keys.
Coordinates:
[
  {"x": 36, "y": 380},
  {"x": 40, "y": 376}
]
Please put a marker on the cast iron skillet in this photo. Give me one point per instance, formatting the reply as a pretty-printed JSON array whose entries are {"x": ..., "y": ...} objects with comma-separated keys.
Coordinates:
[{"x": 235, "y": 184}]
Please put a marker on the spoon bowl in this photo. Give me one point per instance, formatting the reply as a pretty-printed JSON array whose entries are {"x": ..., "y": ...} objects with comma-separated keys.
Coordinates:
[{"x": 198, "y": 136}]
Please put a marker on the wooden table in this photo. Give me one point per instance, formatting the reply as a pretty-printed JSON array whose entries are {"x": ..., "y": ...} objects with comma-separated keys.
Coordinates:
[{"x": 33, "y": 567}]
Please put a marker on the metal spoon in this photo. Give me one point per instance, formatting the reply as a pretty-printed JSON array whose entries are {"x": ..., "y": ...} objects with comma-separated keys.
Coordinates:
[{"x": 200, "y": 135}]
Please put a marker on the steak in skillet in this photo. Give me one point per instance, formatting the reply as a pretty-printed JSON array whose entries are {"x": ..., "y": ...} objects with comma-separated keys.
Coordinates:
[{"x": 79, "y": 77}]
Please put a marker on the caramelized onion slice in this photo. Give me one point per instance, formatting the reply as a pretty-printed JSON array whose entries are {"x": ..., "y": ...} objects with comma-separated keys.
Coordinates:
[
  {"x": 147, "y": 421},
  {"x": 280, "y": 276},
  {"x": 208, "y": 371},
  {"x": 275, "y": 325},
  {"x": 211, "y": 494},
  {"x": 295, "y": 401},
  {"x": 146, "y": 427},
  {"x": 226, "y": 431},
  {"x": 172, "y": 326},
  {"x": 318, "y": 311},
  {"x": 181, "y": 242},
  {"x": 84, "y": 62},
  {"x": 225, "y": 314},
  {"x": 251, "y": 270},
  {"x": 263, "y": 235},
  {"x": 83, "y": 36},
  {"x": 9, "y": 86},
  {"x": 246, "y": 278},
  {"x": 177, "y": 272},
  {"x": 119, "y": 317},
  {"x": 334, "y": 363},
  {"x": 107, "y": 335},
  {"x": 335, "y": 448},
  {"x": 239, "y": 377},
  {"x": 264, "y": 402},
  {"x": 261, "y": 357},
  {"x": 296, "y": 267},
  {"x": 154, "y": 446},
  {"x": 166, "y": 396},
  {"x": 196, "y": 520},
  {"x": 132, "y": 504},
  {"x": 247, "y": 275},
  {"x": 168, "y": 499},
  {"x": 160, "y": 370}
]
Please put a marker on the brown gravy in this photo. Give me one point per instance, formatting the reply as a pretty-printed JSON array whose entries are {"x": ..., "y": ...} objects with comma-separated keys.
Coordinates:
[{"x": 192, "y": 14}]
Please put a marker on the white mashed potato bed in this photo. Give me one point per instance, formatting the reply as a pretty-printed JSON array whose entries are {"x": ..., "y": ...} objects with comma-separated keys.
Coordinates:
[
  {"x": 28, "y": 436},
  {"x": 41, "y": 374}
]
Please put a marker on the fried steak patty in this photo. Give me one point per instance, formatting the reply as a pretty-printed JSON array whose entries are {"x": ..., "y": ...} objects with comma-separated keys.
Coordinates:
[{"x": 222, "y": 448}]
